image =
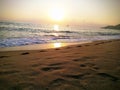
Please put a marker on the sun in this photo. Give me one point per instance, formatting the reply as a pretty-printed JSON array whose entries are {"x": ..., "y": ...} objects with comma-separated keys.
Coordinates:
[{"x": 57, "y": 14}]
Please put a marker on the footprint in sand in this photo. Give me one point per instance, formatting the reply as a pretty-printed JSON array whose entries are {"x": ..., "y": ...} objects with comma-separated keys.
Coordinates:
[
  {"x": 90, "y": 64},
  {"x": 49, "y": 58},
  {"x": 68, "y": 47},
  {"x": 25, "y": 86},
  {"x": 62, "y": 84},
  {"x": 42, "y": 51},
  {"x": 93, "y": 66},
  {"x": 86, "y": 45},
  {"x": 57, "y": 49},
  {"x": 57, "y": 81},
  {"x": 84, "y": 58},
  {"x": 55, "y": 64},
  {"x": 25, "y": 53},
  {"x": 76, "y": 76},
  {"x": 99, "y": 43},
  {"x": 8, "y": 72},
  {"x": 82, "y": 65},
  {"x": 4, "y": 56},
  {"x": 105, "y": 75},
  {"x": 79, "y": 46},
  {"x": 36, "y": 65},
  {"x": 51, "y": 68},
  {"x": 34, "y": 73}
]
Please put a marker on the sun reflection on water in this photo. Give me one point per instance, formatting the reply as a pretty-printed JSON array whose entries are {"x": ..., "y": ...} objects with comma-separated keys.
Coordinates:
[
  {"x": 55, "y": 34},
  {"x": 56, "y": 27},
  {"x": 57, "y": 45}
]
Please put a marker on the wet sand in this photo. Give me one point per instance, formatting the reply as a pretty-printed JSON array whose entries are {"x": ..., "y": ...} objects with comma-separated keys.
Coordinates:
[{"x": 91, "y": 66}]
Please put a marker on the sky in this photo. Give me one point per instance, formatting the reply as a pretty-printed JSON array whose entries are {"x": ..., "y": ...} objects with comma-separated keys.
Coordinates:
[{"x": 101, "y": 12}]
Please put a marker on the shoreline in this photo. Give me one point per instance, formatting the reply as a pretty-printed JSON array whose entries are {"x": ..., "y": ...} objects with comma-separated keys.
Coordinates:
[
  {"x": 40, "y": 46},
  {"x": 89, "y": 66},
  {"x": 46, "y": 46}
]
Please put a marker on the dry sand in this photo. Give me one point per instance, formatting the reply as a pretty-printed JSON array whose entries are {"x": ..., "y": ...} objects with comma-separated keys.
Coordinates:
[{"x": 91, "y": 66}]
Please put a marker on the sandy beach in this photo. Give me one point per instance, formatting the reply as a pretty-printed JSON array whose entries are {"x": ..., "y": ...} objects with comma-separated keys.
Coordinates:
[{"x": 90, "y": 66}]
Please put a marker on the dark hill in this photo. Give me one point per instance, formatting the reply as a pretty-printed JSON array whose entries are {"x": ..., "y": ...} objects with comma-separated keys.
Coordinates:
[{"x": 112, "y": 27}]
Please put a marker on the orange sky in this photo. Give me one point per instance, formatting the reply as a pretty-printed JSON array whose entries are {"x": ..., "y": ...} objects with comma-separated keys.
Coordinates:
[{"x": 68, "y": 11}]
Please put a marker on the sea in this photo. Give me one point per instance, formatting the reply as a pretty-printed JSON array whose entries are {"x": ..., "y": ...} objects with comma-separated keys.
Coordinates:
[{"x": 20, "y": 34}]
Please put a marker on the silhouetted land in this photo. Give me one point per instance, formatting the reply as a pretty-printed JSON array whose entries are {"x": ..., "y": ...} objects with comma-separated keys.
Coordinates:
[{"x": 117, "y": 27}]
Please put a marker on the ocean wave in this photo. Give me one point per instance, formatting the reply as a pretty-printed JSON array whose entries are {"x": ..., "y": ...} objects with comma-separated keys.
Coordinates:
[{"x": 18, "y": 34}]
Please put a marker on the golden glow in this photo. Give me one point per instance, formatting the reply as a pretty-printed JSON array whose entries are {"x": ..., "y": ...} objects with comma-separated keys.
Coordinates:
[
  {"x": 56, "y": 27},
  {"x": 86, "y": 12},
  {"x": 57, "y": 45},
  {"x": 55, "y": 34},
  {"x": 57, "y": 14}
]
